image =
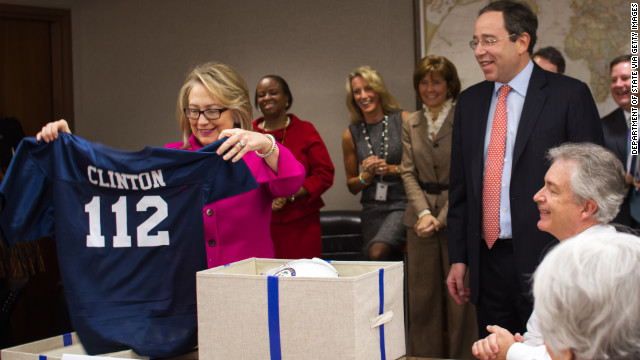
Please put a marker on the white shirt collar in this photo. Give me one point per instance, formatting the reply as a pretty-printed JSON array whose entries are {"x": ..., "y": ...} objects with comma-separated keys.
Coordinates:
[
  {"x": 595, "y": 229},
  {"x": 520, "y": 82}
]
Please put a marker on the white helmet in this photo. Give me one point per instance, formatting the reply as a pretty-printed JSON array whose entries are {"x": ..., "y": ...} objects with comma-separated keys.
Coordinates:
[{"x": 305, "y": 267}]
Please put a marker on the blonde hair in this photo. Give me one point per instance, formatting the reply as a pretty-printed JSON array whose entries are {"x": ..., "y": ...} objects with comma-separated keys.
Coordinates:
[
  {"x": 226, "y": 85},
  {"x": 373, "y": 78}
]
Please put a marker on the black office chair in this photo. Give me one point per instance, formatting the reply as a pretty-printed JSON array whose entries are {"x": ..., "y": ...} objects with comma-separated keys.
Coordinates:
[{"x": 341, "y": 235}]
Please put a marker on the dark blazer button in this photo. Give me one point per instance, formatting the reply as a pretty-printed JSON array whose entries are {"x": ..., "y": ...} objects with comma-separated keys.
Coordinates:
[
  {"x": 435, "y": 145},
  {"x": 209, "y": 212},
  {"x": 212, "y": 242}
]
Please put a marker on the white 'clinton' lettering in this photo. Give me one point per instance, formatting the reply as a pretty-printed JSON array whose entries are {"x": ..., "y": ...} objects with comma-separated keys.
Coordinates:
[
  {"x": 91, "y": 169},
  {"x": 116, "y": 180}
]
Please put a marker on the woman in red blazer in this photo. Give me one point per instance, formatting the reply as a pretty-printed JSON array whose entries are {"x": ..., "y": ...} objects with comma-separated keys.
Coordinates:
[{"x": 295, "y": 221}]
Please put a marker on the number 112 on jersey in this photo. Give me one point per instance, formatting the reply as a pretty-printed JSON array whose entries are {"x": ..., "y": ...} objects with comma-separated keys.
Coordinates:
[{"x": 119, "y": 209}]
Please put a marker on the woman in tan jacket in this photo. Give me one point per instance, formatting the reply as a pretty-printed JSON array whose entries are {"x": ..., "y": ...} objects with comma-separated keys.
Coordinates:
[{"x": 426, "y": 140}]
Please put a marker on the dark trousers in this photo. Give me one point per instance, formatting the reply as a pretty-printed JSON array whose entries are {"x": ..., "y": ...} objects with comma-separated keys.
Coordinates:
[
  {"x": 502, "y": 300},
  {"x": 438, "y": 327}
]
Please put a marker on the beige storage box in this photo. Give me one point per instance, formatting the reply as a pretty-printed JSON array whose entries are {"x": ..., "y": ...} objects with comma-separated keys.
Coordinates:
[
  {"x": 53, "y": 349},
  {"x": 245, "y": 315}
]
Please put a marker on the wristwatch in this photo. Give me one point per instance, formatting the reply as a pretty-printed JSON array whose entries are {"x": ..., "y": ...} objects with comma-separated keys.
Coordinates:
[{"x": 292, "y": 198}]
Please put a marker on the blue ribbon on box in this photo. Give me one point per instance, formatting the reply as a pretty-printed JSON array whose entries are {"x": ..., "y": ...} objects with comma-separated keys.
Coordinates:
[
  {"x": 274, "y": 317},
  {"x": 381, "y": 296},
  {"x": 67, "y": 340}
]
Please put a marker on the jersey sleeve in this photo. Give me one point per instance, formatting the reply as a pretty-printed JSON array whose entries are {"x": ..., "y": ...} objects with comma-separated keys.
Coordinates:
[
  {"x": 226, "y": 178},
  {"x": 26, "y": 210}
]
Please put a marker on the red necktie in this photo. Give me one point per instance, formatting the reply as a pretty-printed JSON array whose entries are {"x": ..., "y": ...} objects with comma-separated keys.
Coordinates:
[{"x": 493, "y": 170}]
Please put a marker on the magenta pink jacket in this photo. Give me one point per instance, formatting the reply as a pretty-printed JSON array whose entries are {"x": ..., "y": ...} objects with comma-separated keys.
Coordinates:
[{"x": 238, "y": 227}]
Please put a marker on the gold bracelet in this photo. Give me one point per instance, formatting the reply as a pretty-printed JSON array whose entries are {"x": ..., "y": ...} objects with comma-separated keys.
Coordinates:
[
  {"x": 398, "y": 169},
  {"x": 273, "y": 147},
  {"x": 362, "y": 179}
]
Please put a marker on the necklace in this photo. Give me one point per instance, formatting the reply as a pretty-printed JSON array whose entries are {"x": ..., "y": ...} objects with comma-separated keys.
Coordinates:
[
  {"x": 284, "y": 130},
  {"x": 385, "y": 138}
]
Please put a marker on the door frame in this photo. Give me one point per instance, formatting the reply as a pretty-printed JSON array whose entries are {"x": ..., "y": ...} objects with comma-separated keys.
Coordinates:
[{"x": 61, "y": 54}]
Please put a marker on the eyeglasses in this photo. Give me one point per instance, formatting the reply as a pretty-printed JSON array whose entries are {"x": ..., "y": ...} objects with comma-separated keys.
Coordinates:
[
  {"x": 473, "y": 44},
  {"x": 209, "y": 114}
]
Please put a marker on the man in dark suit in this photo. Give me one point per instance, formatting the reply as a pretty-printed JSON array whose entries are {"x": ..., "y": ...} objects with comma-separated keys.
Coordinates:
[
  {"x": 542, "y": 110},
  {"x": 616, "y": 126}
]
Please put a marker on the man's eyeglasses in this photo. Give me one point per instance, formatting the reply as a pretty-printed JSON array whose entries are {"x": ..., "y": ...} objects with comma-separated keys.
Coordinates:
[
  {"x": 209, "y": 114},
  {"x": 473, "y": 44}
]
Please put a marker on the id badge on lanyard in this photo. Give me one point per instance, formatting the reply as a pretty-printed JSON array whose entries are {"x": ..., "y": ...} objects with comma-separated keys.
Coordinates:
[{"x": 381, "y": 191}]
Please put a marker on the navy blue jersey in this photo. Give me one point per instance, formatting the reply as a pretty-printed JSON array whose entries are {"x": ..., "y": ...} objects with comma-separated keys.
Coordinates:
[{"x": 129, "y": 234}]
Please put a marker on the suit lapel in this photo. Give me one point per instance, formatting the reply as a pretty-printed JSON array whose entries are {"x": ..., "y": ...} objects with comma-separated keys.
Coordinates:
[
  {"x": 421, "y": 128},
  {"x": 447, "y": 126},
  {"x": 622, "y": 140},
  {"x": 477, "y": 132},
  {"x": 533, "y": 104},
  {"x": 422, "y": 145}
]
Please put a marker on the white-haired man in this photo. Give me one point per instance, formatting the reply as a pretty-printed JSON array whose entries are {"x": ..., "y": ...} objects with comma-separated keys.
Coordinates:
[
  {"x": 583, "y": 190},
  {"x": 584, "y": 298}
]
